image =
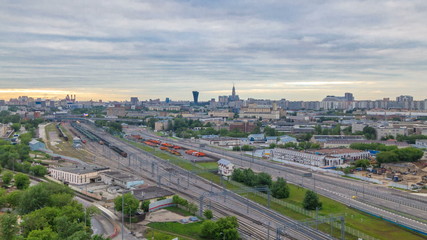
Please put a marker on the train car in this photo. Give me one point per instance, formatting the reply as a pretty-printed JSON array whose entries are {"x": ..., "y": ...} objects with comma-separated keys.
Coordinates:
[
  {"x": 190, "y": 152},
  {"x": 61, "y": 133},
  {"x": 167, "y": 144},
  {"x": 155, "y": 141},
  {"x": 150, "y": 144},
  {"x": 119, "y": 151}
]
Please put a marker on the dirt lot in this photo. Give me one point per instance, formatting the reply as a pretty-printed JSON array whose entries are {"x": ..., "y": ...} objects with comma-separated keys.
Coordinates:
[{"x": 163, "y": 216}]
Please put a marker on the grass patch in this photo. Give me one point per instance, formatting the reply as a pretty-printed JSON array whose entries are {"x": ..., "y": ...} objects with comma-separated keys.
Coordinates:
[
  {"x": 191, "y": 230},
  {"x": 179, "y": 211},
  {"x": 208, "y": 165},
  {"x": 161, "y": 235}
]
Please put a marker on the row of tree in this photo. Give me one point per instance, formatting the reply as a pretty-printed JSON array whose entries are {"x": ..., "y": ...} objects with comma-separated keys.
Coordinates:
[
  {"x": 372, "y": 146},
  {"x": 21, "y": 180},
  {"x": 390, "y": 154},
  {"x": 47, "y": 211},
  {"x": 279, "y": 189},
  {"x": 409, "y": 154},
  {"x": 299, "y": 146}
]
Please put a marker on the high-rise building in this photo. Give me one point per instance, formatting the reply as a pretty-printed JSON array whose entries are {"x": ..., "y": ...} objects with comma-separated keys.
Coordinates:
[
  {"x": 349, "y": 97},
  {"x": 405, "y": 98},
  {"x": 196, "y": 97},
  {"x": 134, "y": 101}
]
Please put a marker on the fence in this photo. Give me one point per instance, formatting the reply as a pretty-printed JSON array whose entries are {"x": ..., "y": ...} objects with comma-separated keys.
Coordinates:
[
  {"x": 160, "y": 204},
  {"x": 304, "y": 212},
  {"x": 397, "y": 185},
  {"x": 372, "y": 180},
  {"x": 318, "y": 169}
]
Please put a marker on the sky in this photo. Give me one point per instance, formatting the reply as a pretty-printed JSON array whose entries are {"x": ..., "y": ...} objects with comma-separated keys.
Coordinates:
[{"x": 297, "y": 50}]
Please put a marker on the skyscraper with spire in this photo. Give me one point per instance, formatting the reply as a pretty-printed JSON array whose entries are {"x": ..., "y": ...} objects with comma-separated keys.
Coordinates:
[{"x": 233, "y": 96}]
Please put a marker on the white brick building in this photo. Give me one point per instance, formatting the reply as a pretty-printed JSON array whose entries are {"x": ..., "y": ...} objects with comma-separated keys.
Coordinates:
[{"x": 225, "y": 167}]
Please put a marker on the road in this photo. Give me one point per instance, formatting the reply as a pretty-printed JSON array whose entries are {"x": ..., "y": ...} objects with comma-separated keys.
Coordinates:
[
  {"x": 254, "y": 219},
  {"x": 405, "y": 208}
]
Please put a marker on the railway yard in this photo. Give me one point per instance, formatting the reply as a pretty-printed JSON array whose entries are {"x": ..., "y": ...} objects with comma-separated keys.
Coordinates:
[{"x": 256, "y": 221}]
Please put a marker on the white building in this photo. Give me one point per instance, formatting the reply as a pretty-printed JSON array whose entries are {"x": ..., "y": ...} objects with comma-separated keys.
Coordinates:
[
  {"x": 78, "y": 175},
  {"x": 307, "y": 158},
  {"x": 225, "y": 167},
  {"x": 421, "y": 143},
  {"x": 390, "y": 131}
]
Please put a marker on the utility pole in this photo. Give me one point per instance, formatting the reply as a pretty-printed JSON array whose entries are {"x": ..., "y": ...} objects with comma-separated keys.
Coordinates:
[{"x": 123, "y": 215}]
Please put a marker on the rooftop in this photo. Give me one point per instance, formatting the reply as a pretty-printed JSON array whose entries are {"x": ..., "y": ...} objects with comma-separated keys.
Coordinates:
[
  {"x": 224, "y": 162},
  {"x": 82, "y": 169},
  {"x": 151, "y": 192}
]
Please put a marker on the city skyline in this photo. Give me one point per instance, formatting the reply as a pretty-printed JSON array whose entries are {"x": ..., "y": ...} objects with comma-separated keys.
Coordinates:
[{"x": 157, "y": 49}]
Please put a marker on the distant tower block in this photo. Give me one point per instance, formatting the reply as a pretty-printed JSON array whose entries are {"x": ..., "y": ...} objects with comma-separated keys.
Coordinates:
[{"x": 196, "y": 97}]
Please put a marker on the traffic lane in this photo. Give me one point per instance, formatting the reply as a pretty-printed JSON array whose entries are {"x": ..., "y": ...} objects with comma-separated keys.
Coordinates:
[{"x": 100, "y": 224}]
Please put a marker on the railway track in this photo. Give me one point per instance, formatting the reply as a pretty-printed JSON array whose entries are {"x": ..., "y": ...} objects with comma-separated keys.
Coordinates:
[
  {"x": 264, "y": 214},
  {"x": 396, "y": 200}
]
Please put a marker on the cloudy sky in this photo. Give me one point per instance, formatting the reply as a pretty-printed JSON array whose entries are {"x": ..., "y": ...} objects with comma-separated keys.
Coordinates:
[{"x": 298, "y": 50}]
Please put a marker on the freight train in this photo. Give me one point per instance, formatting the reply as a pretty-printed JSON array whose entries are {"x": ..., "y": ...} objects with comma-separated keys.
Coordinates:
[
  {"x": 94, "y": 137},
  {"x": 61, "y": 132}
]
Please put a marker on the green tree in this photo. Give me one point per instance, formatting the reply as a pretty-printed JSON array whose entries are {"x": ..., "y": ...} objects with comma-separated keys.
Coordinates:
[
  {"x": 192, "y": 208},
  {"x": 8, "y": 226},
  {"x": 363, "y": 163},
  {"x": 42, "y": 234},
  {"x": 387, "y": 157},
  {"x": 13, "y": 199},
  {"x": 131, "y": 204},
  {"x": 38, "y": 170},
  {"x": 7, "y": 177},
  {"x": 311, "y": 201},
  {"x": 247, "y": 148},
  {"x": 60, "y": 199},
  {"x": 145, "y": 205},
  {"x": 224, "y": 225},
  {"x": 179, "y": 201},
  {"x": 208, "y": 214},
  {"x": 209, "y": 229},
  {"x": 270, "y": 131},
  {"x": 22, "y": 181},
  {"x": 409, "y": 154},
  {"x": 16, "y": 127},
  {"x": 230, "y": 234},
  {"x": 280, "y": 189},
  {"x": 38, "y": 196},
  {"x": 264, "y": 179},
  {"x": 370, "y": 133}
]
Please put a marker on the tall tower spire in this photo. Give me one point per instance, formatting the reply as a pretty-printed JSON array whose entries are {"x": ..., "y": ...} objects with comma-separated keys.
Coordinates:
[{"x": 233, "y": 93}]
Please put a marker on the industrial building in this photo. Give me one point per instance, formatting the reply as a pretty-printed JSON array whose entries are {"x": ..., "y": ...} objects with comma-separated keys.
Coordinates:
[
  {"x": 120, "y": 179},
  {"x": 307, "y": 158},
  {"x": 78, "y": 175}
]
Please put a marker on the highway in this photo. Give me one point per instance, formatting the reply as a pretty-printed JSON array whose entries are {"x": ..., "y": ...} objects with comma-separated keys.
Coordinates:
[
  {"x": 256, "y": 221},
  {"x": 372, "y": 199}
]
